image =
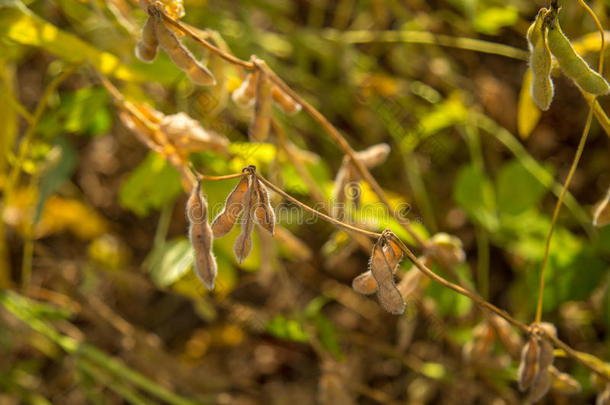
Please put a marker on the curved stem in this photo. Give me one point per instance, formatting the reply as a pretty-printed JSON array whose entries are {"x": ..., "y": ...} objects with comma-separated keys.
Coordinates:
[
  {"x": 601, "y": 33},
  {"x": 581, "y": 147}
]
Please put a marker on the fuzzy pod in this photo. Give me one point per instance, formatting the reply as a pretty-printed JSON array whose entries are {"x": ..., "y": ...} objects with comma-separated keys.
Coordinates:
[
  {"x": 224, "y": 222},
  {"x": 245, "y": 93},
  {"x": 564, "y": 382},
  {"x": 601, "y": 214},
  {"x": 572, "y": 64},
  {"x": 365, "y": 283},
  {"x": 181, "y": 56},
  {"x": 345, "y": 175},
  {"x": 603, "y": 398},
  {"x": 389, "y": 296},
  {"x": 528, "y": 366},
  {"x": 146, "y": 49},
  {"x": 374, "y": 155},
  {"x": 287, "y": 103},
  {"x": 200, "y": 235},
  {"x": 542, "y": 88},
  {"x": 243, "y": 242},
  {"x": 393, "y": 254},
  {"x": 263, "y": 211},
  {"x": 542, "y": 381},
  {"x": 259, "y": 127}
]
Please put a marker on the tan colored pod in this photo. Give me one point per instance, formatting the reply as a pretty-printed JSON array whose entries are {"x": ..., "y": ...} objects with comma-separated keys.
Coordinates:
[
  {"x": 572, "y": 64},
  {"x": 263, "y": 212},
  {"x": 287, "y": 103},
  {"x": 245, "y": 93},
  {"x": 601, "y": 215},
  {"x": 259, "y": 127},
  {"x": 224, "y": 222},
  {"x": 365, "y": 283},
  {"x": 374, "y": 155},
  {"x": 146, "y": 49},
  {"x": 528, "y": 366},
  {"x": 603, "y": 398},
  {"x": 389, "y": 296},
  {"x": 542, "y": 89},
  {"x": 181, "y": 56},
  {"x": 564, "y": 383},
  {"x": 243, "y": 242},
  {"x": 200, "y": 235}
]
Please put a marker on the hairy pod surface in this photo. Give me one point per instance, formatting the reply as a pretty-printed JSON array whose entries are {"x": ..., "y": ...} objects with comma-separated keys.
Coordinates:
[
  {"x": 286, "y": 103},
  {"x": 146, "y": 49},
  {"x": 572, "y": 64},
  {"x": 200, "y": 235},
  {"x": 365, "y": 283},
  {"x": 528, "y": 366},
  {"x": 264, "y": 214},
  {"x": 259, "y": 127},
  {"x": 243, "y": 242},
  {"x": 374, "y": 155},
  {"x": 542, "y": 381},
  {"x": 389, "y": 296},
  {"x": 564, "y": 382},
  {"x": 604, "y": 397},
  {"x": 601, "y": 214},
  {"x": 542, "y": 89},
  {"x": 245, "y": 93},
  {"x": 224, "y": 222},
  {"x": 181, "y": 56}
]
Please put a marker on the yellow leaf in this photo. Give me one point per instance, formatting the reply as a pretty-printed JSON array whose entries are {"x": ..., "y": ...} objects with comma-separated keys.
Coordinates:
[{"x": 528, "y": 113}]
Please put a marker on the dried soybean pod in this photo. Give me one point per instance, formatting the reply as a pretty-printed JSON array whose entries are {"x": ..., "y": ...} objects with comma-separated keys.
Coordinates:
[
  {"x": 200, "y": 235},
  {"x": 389, "y": 296},
  {"x": 259, "y": 127},
  {"x": 563, "y": 382},
  {"x": 393, "y": 254},
  {"x": 243, "y": 243},
  {"x": 572, "y": 64},
  {"x": 374, "y": 155},
  {"x": 542, "y": 382},
  {"x": 181, "y": 56},
  {"x": 244, "y": 94},
  {"x": 287, "y": 103},
  {"x": 529, "y": 363},
  {"x": 146, "y": 49},
  {"x": 224, "y": 222},
  {"x": 365, "y": 283},
  {"x": 263, "y": 211},
  {"x": 540, "y": 63}
]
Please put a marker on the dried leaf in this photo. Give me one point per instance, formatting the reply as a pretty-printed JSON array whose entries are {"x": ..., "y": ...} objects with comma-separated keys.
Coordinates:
[
  {"x": 365, "y": 283},
  {"x": 263, "y": 211},
  {"x": 259, "y": 127},
  {"x": 389, "y": 296},
  {"x": 244, "y": 94},
  {"x": 243, "y": 243},
  {"x": 146, "y": 49},
  {"x": 224, "y": 222},
  {"x": 181, "y": 56},
  {"x": 287, "y": 103},
  {"x": 200, "y": 235}
]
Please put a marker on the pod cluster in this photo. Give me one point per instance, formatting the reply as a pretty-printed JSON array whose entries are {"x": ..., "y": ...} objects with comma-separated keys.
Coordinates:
[
  {"x": 536, "y": 358},
  {"x": 157, "y": 34},
  {"x": 546, "y": 40},
  {"x": 258, "y": 90},
  {"x": 250, "y": 199}
]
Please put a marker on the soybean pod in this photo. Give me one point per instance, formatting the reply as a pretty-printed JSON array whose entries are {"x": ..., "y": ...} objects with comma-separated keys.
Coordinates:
[
  {"x": 540, "y": 62},
  {"x": 572, "y": 64}
]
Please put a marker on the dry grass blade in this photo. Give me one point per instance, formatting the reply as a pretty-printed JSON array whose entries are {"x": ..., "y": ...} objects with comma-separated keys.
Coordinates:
[
  {"x": 201, "y": 238},
  {"x": 389, "y": 296},
  {"x": 146, "y": 49},
  {"x": 243, "y": 243},
  {"x": 224, "y": 222},
  {"x": 259, "y": 128},
  {"x": 263, "y": 211},
  {"x": 244, "y": 94},
  {"x": 181, "y": 56}
]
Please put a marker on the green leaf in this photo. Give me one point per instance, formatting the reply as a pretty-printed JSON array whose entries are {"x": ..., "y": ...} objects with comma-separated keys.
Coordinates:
[
  {"x": 168, "y": 263},
  {"x": 288, "y": 329},
  {"x": 474, "y": 193},
  {"x": 150, "y": 186},
  {"x": 54, "y": 177},
  {"x": 328, "y": 335},
  {"x": 490, "y": 21},
  {"x": 517, "y": 189}
]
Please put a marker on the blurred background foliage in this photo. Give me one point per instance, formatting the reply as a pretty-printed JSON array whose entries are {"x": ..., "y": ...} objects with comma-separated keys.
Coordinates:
[{"x": 100, "y": 304}]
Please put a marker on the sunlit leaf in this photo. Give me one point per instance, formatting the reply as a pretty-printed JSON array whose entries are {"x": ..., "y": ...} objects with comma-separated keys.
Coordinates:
[
  {"x": 170, "y": 262},
  {"x": 528, "y": 113},
  {"x": 517, "y": 189},
  {"x": 490, "y": 20}
]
